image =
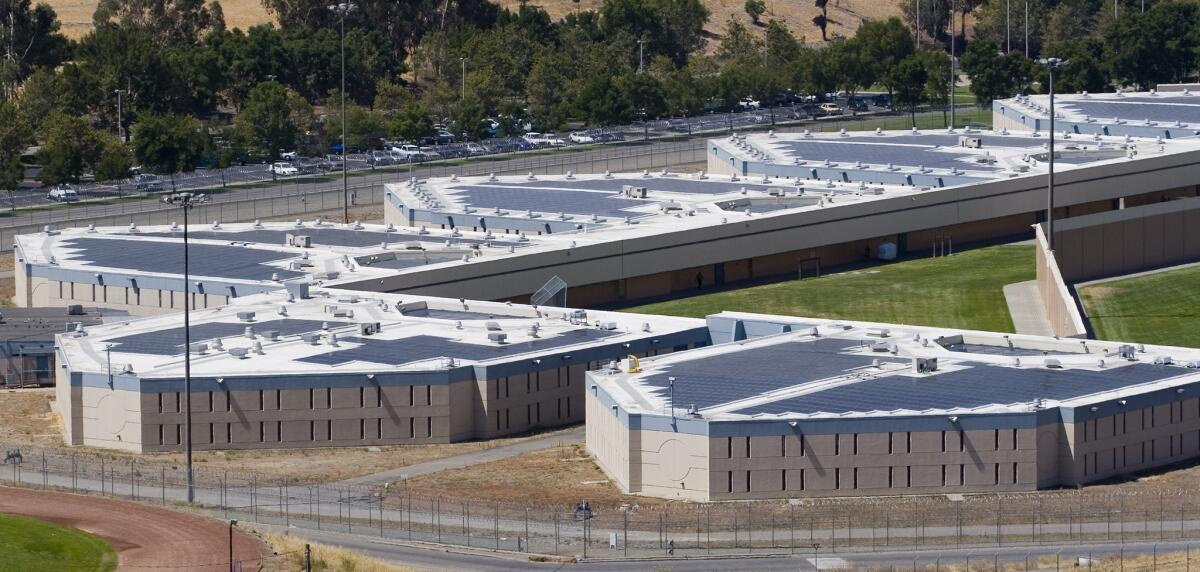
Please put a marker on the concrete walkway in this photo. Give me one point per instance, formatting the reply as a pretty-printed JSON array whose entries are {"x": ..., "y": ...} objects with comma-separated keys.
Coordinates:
[
  {"x": 465, "y": 460},
  {"x": 1027, "y": 310}
]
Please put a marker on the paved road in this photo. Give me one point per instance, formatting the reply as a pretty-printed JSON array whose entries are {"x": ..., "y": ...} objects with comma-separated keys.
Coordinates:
[
  {"x": 467, "y": 459},
  {"x": 1026, "y": 308}
]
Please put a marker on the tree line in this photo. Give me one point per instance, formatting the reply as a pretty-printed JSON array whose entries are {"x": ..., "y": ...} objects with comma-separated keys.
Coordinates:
[{"x": 164, "y": 84}]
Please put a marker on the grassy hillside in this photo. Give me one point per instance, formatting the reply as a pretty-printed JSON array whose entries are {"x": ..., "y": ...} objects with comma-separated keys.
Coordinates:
[{"x": 844, "y": 15}]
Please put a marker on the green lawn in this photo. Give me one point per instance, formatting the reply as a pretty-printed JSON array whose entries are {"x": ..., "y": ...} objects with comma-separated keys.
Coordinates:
[
  {"x": 1153, "y": 309},
  {"x": 959, "y": 291},
  {"x": 28, "y": 545}
]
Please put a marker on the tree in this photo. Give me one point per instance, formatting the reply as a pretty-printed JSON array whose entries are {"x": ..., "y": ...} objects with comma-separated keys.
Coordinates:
[
  {"x": 755, "y": 8},
  {"x": 780, "y": 46},
  {"x": 545, "y": 88},
  {"x": 908, "y": 79},
  {"x": 364, "y": 128},
  {"x": 739, "y": 46},
  {"x": 822, "y": 20},
  {"x": 673, "y": 28},
  {"x": 934, "y": 16},
  {"x": 884, "y": 44},
  {"x": 250, "y": 58},
  {"x": 29, "y": 39},
  {"x": 116, "y": 160},
  {"x": 71, "y": 148},
  {"x": 15, "y": 136},
  {"x": 412, "y": 123},
  {"x": 268, "y": 120},
  {"x": 171, "y": 22},
  {"x": 938, "y": 82},
  {"x": 995, "y": 76},
  {"x": 169, "y": 144},
  {"x": 1083, "y": 71},
  {"x": 1161, "y": 45}
]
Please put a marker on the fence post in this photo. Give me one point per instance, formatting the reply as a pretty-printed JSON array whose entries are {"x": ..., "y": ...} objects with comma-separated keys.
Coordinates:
[
  {"x": 254, "y": 495},
  {"x": 556, "y": 532},
  {"x": 318, "y": 507},
  {"x": 163, "y": 481},
  {"x": 526, "y": 529},
  {"x": 496, "y": 525},
  {"x": 45, "y": 478},
  {"x": 625, "y": 536},
  {"x": 466, "y": 508},
  {"x": 349, "y": 507},
  {"x": 287, "y": 505}
]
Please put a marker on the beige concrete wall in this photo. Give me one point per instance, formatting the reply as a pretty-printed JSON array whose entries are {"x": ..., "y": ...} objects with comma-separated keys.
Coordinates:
[
  {"x": 110, "y": 419},
  {"x": 1058, "y": 303},
  {"x": 1135, "y": 439},
  {"x": 42, "y": 292},
  {"x": 608, "y": 442},
  {"x": 671, "y": 465},
  {"x": 1137, "y": 238}
]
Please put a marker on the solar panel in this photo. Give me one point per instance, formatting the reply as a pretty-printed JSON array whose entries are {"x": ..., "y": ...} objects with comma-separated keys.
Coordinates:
[
  {"x": 547, "y": 200},
  {"x": 452, "y": 314},
  {"x": 1138, "y": 110},
  {"x": 211, "y": 260},
  {"x": 425, "y": 347},
  {"x": 321, "y": 236},
  {"x": 950, "y": 140},
  {"x": 976, "y": 386},
  {"x": 743, "y": 374},
  {"x": 879, "y": 153},
  {"x": 170, "y": 342},
  {"x": 653, "y": 184}
]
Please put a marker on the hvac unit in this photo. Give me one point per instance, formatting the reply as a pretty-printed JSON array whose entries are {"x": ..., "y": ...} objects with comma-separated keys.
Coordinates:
[
  {"x": 925, "y": 365},
  {"x": 299, "y": 240},
  {"x": 498, "y": 337},
  {"x": 633, "y": 191},
  {"x": 246, "y": 316},
  {"x": 1127, "y": 351},
  {"x": 368, "y": 329},
  {"x": 75, "y": 310},
  {"x": 240, "y": 353},
  {"x": 1053, "y": 363}
]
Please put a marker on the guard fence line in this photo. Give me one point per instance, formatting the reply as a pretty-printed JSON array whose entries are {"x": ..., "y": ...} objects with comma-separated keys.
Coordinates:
[
  {"x": 818, "y": 527},
  {"x": 237, "y": 199}
]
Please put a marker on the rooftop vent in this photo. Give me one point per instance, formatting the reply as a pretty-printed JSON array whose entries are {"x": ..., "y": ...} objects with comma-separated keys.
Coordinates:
[
  {"x": 200, "y": 348},
  {"x": 311, "y": 338},
  {"x": 246, "y": 316},
  {"x": 925, "y": 365},
  {"x": 240, "y": 353},
  {"x": 493, "y": 326},
  {"x": 271, "y": 335},
  {"x": 498, "y": 337},
  {"x": 75, "y": 310},
  {"x": 1053, "y": 363}
]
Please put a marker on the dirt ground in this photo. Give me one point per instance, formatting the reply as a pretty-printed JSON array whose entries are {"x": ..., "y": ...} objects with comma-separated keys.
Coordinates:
[{"x": 145, "y": 538}]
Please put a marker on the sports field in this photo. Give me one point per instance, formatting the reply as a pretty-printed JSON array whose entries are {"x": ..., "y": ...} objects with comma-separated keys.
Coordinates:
[
  {"x": 29, "y": 545},
  {"x": 960, "y": 291},
  {"x": 1157, "y": 308}
]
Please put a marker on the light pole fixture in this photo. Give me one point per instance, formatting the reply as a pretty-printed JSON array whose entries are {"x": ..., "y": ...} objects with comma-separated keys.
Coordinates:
[
  {"x": 641, "y": 54},
  {"x": 342, "y": 10},
  {"x": 187, "y": 201},
  {"x": 120, "y": 124},
  {"x": 464, "y": 76},
  {"x": 1051, "y": 64}
]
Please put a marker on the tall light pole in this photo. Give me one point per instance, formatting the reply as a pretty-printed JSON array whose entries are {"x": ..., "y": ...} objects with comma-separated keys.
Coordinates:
[
  {"x": 641, "y": 54},
  {"x": 464, "y": 76},
  {"x": 1026, "y": 28},
  {"x": 232, "y": 523},
  {"x": 120, "y": 124},
  {"x": 1007, "y": 26},
  {"x": 918, "y": 26},
  {"x": 1051, "y": 65},
  {"x": 953, "y": 78},
  {"x": 341, "y": 10},
  {"x": 187, "y": 201}
]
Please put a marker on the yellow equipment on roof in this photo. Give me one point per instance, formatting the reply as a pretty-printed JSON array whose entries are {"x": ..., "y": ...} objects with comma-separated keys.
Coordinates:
[{"x": 635, "y": 365}]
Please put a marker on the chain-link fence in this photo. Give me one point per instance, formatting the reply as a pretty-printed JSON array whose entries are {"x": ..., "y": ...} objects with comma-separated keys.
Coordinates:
[{"x": 799, "y": 526}]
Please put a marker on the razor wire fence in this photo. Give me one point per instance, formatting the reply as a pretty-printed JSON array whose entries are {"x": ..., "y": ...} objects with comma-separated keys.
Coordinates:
[{"x": 812, "y": 527}]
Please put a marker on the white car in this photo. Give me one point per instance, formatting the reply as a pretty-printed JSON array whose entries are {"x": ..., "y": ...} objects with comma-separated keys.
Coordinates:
[
  {"x": 282, "y": 169},
  {"x": 535, "y": 138},
  {"x": 553, "y": 140},
  {"x": 404, "y": 152},
  {"x": 289, "y": 156},
  {"x": 747, "y": 103},
  {"x": 62, "y": 194},
  {"x": 581, "y": 137}
]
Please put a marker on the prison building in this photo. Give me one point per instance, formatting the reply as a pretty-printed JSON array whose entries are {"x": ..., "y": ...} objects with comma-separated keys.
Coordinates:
[
  {"x": 786, "y": 407},
  {"x": 335, "y": 368}
]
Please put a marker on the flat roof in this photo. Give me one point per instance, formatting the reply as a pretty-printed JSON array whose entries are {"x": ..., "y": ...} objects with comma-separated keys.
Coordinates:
[
  {"x": 1180, "y": 110},
  {"x": 41, "y": 324},
  {"x": 804, "y": 368},
  {"x": 324, "y": 334},
  {"x": 256, "y": 254},
  {"x": 928, "y": 158}
]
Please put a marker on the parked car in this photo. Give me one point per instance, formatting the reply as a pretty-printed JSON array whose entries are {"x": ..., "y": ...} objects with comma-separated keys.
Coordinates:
[
  {"x": 147, "y": 183},
  {"x": 536, "y": 139},
  {"x": 379, "y": 157},
  {"x": 429, "y": 154},
  {"x": 62, "y": 194},
  {"x": 310, "y": 166},
  {"x": 284, "y": 169},
  {"x": 856, "y": 103},
  {"x": 830, "y": 109},
  {"x": 404, "y": 152},
  {"x": 289, "y": 155},
  {"x": 747, "y": 104},
  {"x": 475, "y": 149},
  {"x": 581, "y": 137},
  {"x": 881, "y": 100},
  {"x": 554, "y": 140}
]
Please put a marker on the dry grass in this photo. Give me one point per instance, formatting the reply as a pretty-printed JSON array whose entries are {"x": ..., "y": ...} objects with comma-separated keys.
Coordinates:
[
  {"x": 26, "y": 419},
  {"x": 76, "y": 15},
  {"x": 561, "y": 476},
  {"x": 845, "y": 15},
  {"x": 290, "y": 551}
]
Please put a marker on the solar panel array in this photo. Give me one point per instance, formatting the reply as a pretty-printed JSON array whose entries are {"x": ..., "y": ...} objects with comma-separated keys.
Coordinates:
[
  {"x": 211, "y": 260},
  {"x": 425, "y": 347},
  {"x": 653, "y": 184},
  {"x": 452, "y": 314},
  {"x": 170, "y": 342},
  {"x": 547, "y": 200},
  {"x": 950, "y": 140},
  {"x": 879, "y": 153},
  {"x": 321, "y": 236},
  {"x": 1138, "y": 109},
  {"x": 732, "y": 376},
  {"x": 995, "y": 350},
  {"x": 976, "y": 386}
]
